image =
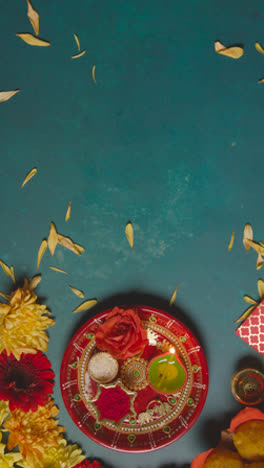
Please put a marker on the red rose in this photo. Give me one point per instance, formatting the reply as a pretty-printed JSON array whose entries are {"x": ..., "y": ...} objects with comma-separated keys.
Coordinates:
[{"x": 122, "y": 334}]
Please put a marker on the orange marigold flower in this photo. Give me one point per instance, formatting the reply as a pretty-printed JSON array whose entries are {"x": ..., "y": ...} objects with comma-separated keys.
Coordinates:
[
  {"x": 22, "y": 323},
  {"x": 34, "y": 432}
]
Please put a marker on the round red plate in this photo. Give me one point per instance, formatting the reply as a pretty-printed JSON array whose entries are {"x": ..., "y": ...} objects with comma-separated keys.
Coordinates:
[{"x": 155, "y": 420}]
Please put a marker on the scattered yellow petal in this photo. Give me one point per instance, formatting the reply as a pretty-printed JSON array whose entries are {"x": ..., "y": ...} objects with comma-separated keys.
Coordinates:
[
  {"x": 261, "y": 288},
  {"x": 58, "y": 269},
  {"x": 232, "y": 52},
  {"x": 230, "y": 245},
  {"x": 34, "y": 281},
  {"x": 247, "y": 235},
  {"x": 260, "y": 262},
  {"x": 250, "y": 300},
  {"x": 256, "y": 246},
  {"x": 79, "y": 248},
  {"x": 33, "y": 17},
  {"x": 93, "y": 73},
  {"x": 246, "y": 314},
  {"x": 77, "y": 41},
  {"x": 77, "y": 292},
  {"x": 6, "y": 296},
  {"x": 68, "y": 244},
  {"x": 79, "y": 55},
  {"x": 130, "y": 234},
  {"x": 42, "y": 250},
  {"x": 68, "y": 213},
  {"x": 33, "y": 40},
  {"x": 259, "y": 48},
  {"x": 29, "y": 176},
  {"x": 173, "y": 297},
  {"x": 218, "y": 46},
  {"x": 6, "y": 269},
  {"x": 6, "y": 95},
  {"x": 85, "y": 306},
  {"x": 12, "y": 274},
  {"x": 52, "y": 239},
  {"x": 261, "y": 80}
]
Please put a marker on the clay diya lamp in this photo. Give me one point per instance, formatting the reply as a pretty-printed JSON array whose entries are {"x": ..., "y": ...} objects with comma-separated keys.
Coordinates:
[{"x": 166, "y": 373}]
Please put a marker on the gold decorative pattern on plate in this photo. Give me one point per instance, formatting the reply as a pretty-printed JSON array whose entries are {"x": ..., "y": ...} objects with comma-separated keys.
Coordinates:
[
  {"x": 131, "y": 438},
  {"x": 163, "y": 346},
  {"x": 156, "y": 409},
  {"x": 166, "y": 429},
  {"x": 74, "y": 364},
  {"x": 97, "y": 426},
  {"x": 133, "y": 373}
]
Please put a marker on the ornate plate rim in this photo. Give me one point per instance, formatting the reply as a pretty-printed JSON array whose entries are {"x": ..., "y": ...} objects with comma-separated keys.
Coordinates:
[{"x": 200, "y": 404}]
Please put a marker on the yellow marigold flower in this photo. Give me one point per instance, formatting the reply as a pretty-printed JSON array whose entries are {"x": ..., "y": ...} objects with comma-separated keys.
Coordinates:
[
  {"x": 7, "y": 460},
  {"x": 34, "y": 432},
  {"x": 62, "y": 456},
  {"x": 22, "y": 323},
  {"x": 4, "y": 411}
]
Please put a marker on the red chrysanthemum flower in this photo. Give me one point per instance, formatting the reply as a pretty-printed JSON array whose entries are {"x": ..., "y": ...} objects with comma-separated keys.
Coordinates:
[
  {"x": 27, "y": 383},
  {"x": 88, "y": 464}
]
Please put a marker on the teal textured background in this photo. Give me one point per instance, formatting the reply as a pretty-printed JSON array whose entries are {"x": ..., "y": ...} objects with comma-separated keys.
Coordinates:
[{"x": 171, "y": 138}]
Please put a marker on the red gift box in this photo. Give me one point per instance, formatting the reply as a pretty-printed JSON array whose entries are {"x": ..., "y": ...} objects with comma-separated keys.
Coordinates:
[{"x": 252, "y": 329}]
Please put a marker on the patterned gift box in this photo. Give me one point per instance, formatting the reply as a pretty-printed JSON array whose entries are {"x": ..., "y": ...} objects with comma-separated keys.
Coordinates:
[{"x": 252, "y": 329}]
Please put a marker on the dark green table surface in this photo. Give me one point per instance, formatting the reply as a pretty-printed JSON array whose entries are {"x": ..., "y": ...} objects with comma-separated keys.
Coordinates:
[{"x": 171, "y": 138}]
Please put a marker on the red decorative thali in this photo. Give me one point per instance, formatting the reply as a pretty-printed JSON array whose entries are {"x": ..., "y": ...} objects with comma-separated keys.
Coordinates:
[{"x": 147, "y": 419}]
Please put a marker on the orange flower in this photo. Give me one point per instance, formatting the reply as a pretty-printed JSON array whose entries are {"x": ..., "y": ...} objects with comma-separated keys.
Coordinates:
[
  {"x": 22, "y": 323},
  {"x": 34, "y": 432},
  {"x": 122, "y": 334}
]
